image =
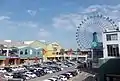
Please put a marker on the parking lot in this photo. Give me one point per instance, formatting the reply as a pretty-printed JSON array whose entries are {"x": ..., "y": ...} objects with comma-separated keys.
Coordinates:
[
  {"x": 47, "y": 71},
  {"x": 53, "y": 74}
]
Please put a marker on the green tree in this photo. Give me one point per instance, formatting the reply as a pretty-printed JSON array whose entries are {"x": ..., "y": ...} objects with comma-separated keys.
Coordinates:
[
  {"x": 62, "y": 51},
  {"x": 14, "y": 49},
  {"x": 1, "y": 48},
  {"x": 78, "y": 51}
]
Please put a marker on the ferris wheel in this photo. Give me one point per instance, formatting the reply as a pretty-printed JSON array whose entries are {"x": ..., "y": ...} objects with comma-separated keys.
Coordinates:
[{"x": 91, "y": 24}]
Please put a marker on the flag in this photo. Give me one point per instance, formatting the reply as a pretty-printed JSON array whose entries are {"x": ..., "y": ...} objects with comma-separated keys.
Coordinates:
[{"x": 70, "y": 52}]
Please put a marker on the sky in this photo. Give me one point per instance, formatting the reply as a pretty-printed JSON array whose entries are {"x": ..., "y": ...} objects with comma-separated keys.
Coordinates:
[{"x": 50, "y": 20}]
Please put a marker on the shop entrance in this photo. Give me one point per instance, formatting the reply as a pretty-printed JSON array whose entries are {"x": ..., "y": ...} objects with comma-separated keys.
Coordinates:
[
  {"x": 1, "y": 62},
  {"x": 12, "y": 61}
]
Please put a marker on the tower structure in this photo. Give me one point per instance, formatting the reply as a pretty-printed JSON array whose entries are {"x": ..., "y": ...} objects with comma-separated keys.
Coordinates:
[{"x": 97, "y": 48}]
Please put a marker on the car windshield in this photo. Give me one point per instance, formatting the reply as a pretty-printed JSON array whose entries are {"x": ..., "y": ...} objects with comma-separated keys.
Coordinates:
[
  {"x": 29, "y": 73},
  {"x": 50, "y": 79},
  {"x": 7, "y": 74}
]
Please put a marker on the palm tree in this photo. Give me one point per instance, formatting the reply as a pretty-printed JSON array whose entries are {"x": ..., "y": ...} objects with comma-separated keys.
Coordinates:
[
  {"x": 78, "y": 52},
  {"x": 1, "y": 48},
  {"x": 62, "y": 52},
  {"x": 14, "y": 51}
]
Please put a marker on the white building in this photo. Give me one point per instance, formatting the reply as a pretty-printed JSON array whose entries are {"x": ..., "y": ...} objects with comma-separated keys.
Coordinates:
[{"x": 111, "y": 43}]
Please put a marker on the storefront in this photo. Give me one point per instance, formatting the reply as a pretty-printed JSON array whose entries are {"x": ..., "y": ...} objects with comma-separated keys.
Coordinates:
[{"x": 12, "y": 61}]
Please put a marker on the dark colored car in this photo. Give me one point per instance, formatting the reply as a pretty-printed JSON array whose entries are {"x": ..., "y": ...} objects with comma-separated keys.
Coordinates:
[
  {"x": 8, "y": 69},
  {"x": 74, "y": 73},
  {"x": 42, "y": 72},
  {"x": 19, "y": 75},
  {"x": 57, "y": 68},
  {"x": 37, "y": 73}
]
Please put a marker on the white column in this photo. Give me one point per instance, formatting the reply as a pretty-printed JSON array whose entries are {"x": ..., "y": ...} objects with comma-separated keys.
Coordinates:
[
  {"x": 105, "y": 54},
  {"x": 119, "y": 40},
  {"x": 7, "y": 52}
]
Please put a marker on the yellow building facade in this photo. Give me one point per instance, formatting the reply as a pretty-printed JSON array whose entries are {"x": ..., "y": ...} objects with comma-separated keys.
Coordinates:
[{"x": 52, "y": 51}]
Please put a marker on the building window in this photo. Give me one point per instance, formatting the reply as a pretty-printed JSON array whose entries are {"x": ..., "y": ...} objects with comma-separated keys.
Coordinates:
[
  {"x": 57, "y": 53},
  {"x": 31, "y": 52},
  {"x": 38, "y": 53},
  {"x": 110, "y": 37},
  {"x": 21, "y": 52},
  {"x": 113, "y": 50},
  {"x": 54, "y": 49},
  {"x": 53, "y": 53},
  {"x": 26, "y": 52}
]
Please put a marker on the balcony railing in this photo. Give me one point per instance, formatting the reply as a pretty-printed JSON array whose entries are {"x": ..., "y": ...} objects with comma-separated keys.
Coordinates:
[{"x": 13, "y": 55}]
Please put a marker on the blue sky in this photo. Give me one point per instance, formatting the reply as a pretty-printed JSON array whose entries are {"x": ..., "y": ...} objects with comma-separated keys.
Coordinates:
[{"x": 50, "y": 20}]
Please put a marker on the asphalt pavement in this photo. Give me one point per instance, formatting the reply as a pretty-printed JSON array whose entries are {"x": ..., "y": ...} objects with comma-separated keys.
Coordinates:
[{"x": 83, "y": 76}]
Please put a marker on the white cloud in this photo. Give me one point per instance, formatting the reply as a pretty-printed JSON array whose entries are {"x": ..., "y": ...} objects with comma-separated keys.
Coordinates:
[
  {"x": 4, "y": 17},
  {"x": 67, "y": 21},
  {"x": 72, "y": 20},
  {"x": 43, "y": 33},
  {"x": 32, "y": 12}
]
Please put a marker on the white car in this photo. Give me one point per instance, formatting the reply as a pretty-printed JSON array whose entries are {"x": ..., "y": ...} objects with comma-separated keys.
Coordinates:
[
  {"x": 30, "y": 74},
  {"x": 8, "y": 76},
  {"x": 38, "y": 68},
  {"x": 48, "y": 71},
  {"x": 46, "y": 80},
  {"x": 2, "y": 70},
  {"x": 51, "y": 79},
  {"x": 69, "y": 75},
  {"x": 62, "y": 77},
  {"x": 21, "y": 68},
  {"x": 27, "y": 77},
  {"x": 64, "y": 65},
  {"x": 14, "y": 69}
]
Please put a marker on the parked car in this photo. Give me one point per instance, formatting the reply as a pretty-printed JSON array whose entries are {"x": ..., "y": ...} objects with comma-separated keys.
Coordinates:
[
  {"x": 2, "y": 70},
  {"x": 73, "y": 73},
  {"x": 20, "y": 75},
  {"x": 66, "y": 75},
  {"x": 8, "y": 69},
  {"x": 52, "y": 79},
  {"x": 30, "y": 74},
  {"x": 8, "y": 76},
  {"x": 62, "y": 77},
  {"x": 70, "y": 75}
]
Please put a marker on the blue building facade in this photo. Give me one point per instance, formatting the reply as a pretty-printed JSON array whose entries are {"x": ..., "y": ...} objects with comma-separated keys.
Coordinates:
[{"x": 29, "y": 54}]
